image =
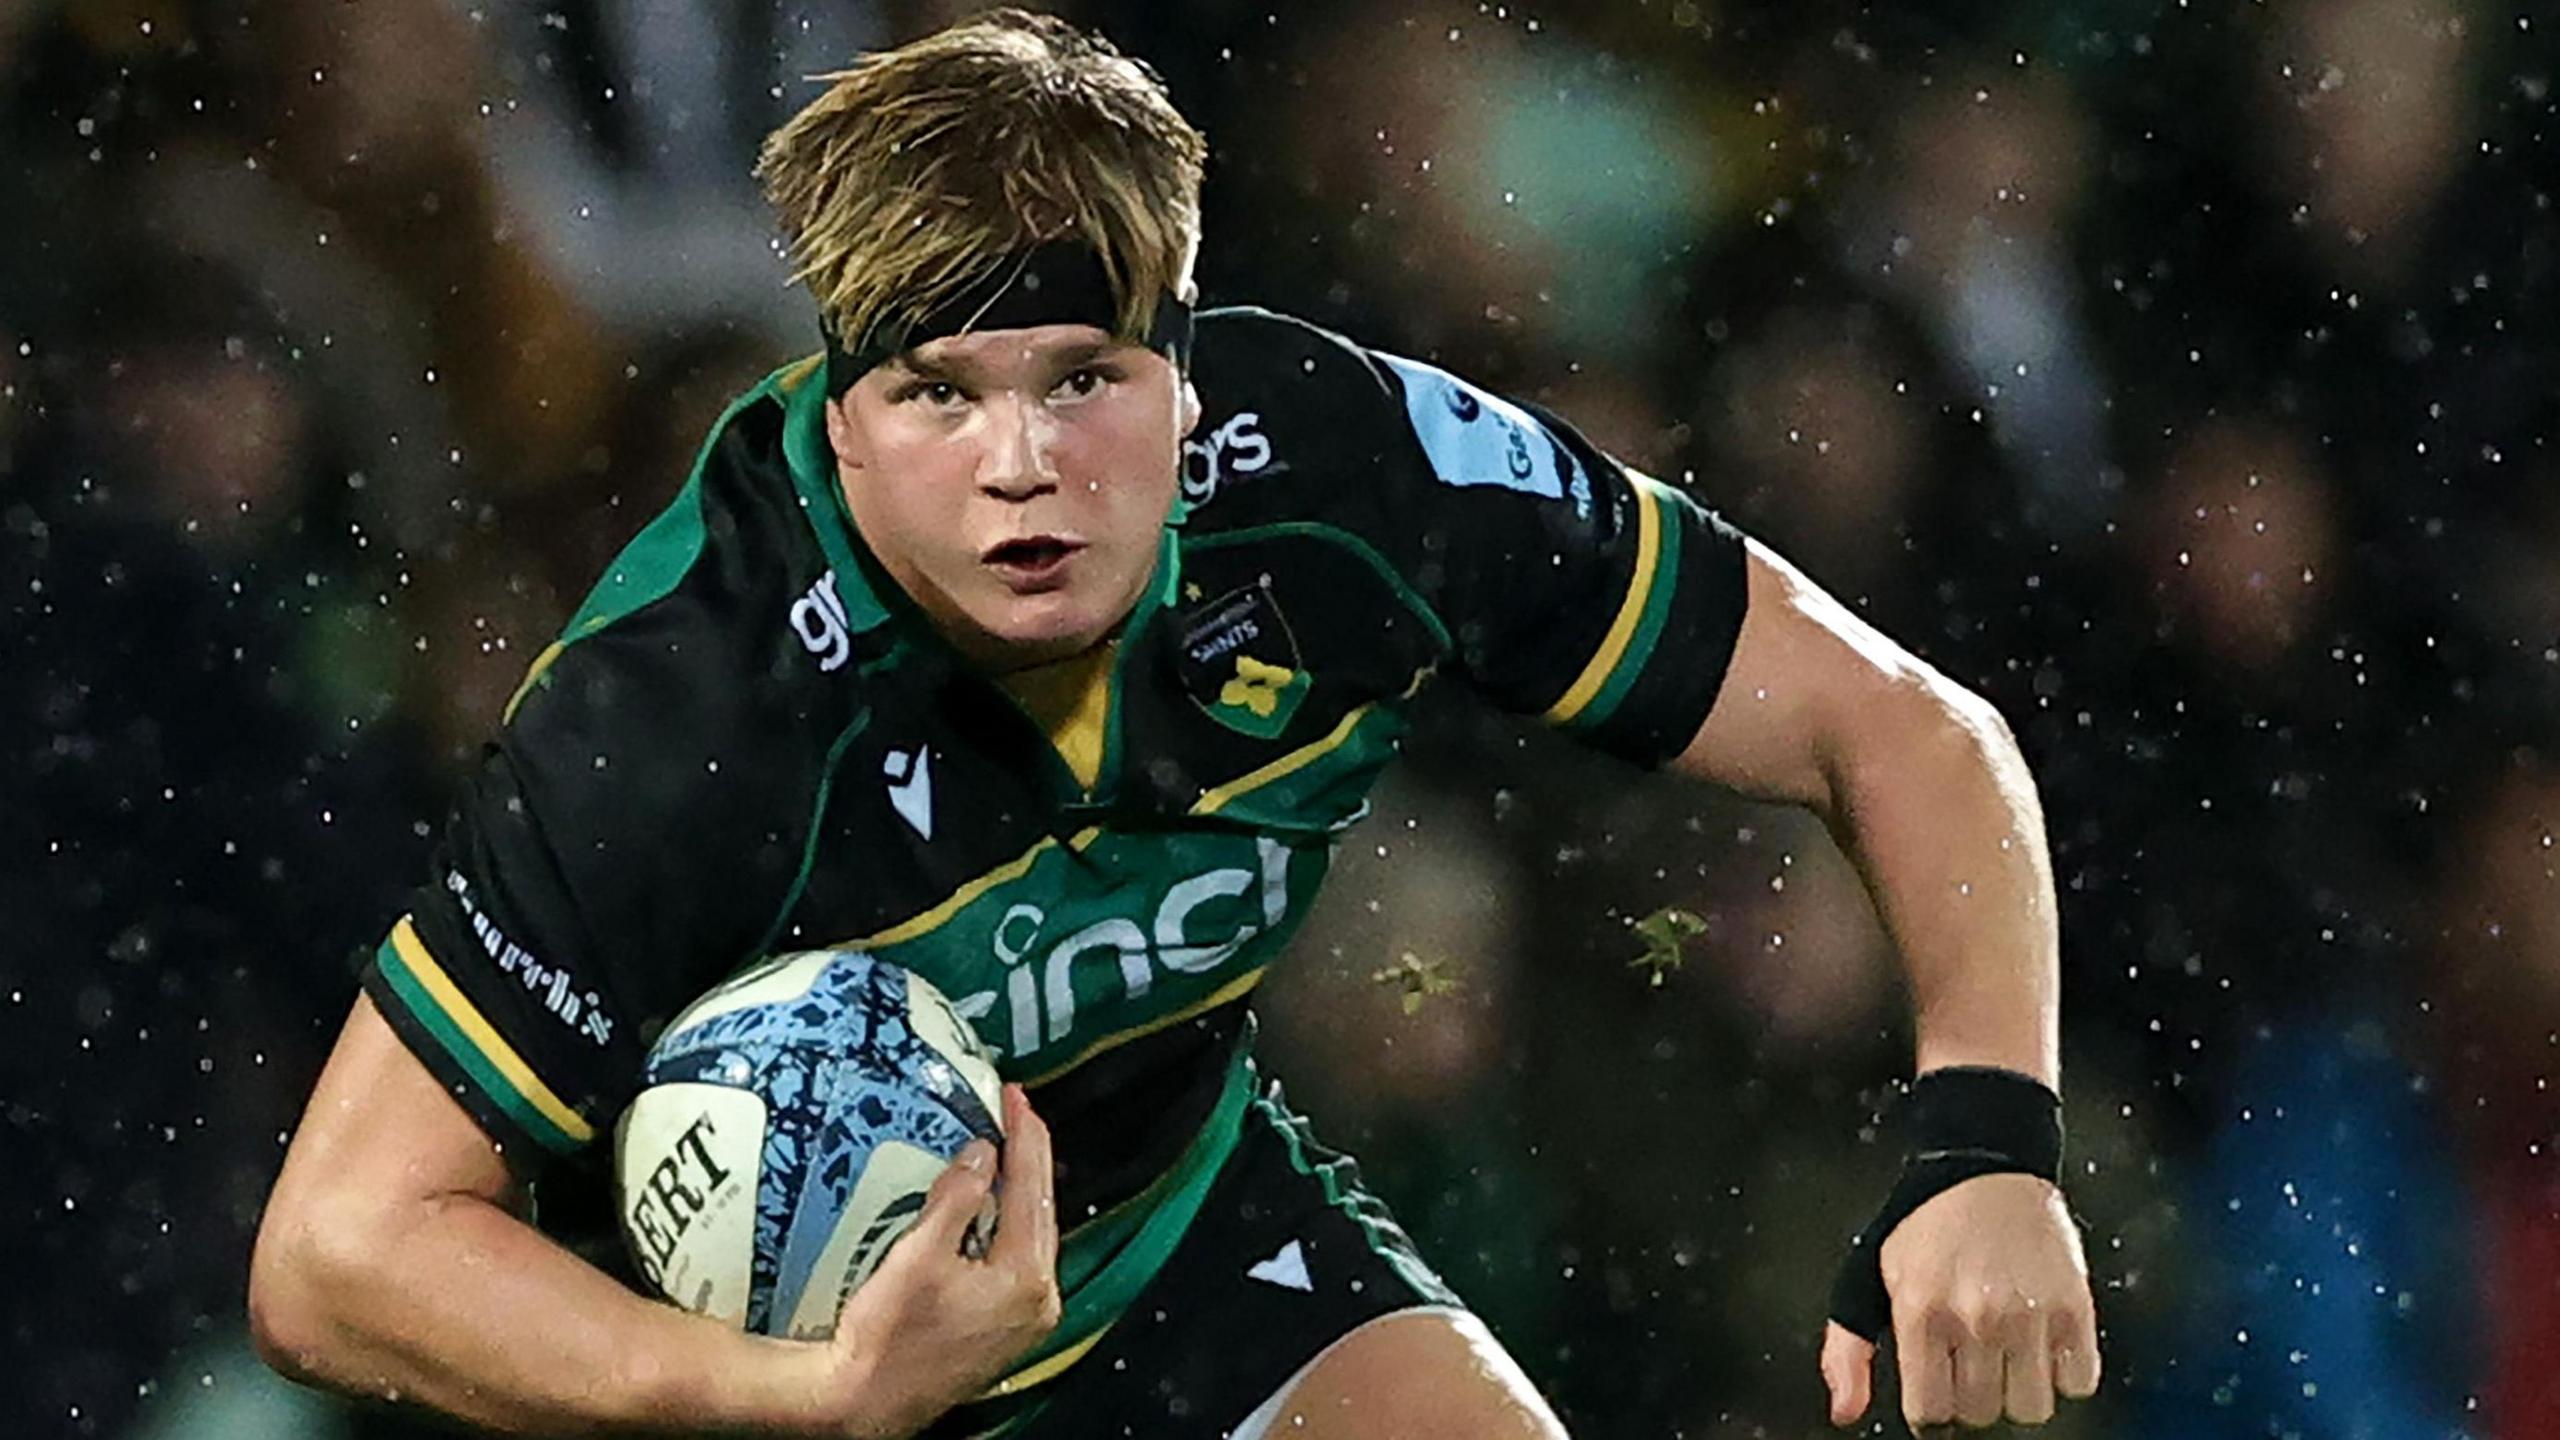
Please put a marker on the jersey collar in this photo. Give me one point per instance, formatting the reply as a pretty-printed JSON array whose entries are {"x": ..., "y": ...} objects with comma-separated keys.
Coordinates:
[{"x": 811, "y": 461}]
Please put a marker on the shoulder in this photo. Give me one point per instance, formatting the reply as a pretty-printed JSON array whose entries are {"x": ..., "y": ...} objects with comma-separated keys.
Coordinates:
[
  {"x": 1248, "y": 358},
  {"x": 1249, "y": 355},
  {"x": 1249, "y": 344},
  {"x": 1290, "y": 413},
  {"x": 1348, "y": 425},
  {"x": 728, "y": 536},
  {"x": 708, "y": 648}
]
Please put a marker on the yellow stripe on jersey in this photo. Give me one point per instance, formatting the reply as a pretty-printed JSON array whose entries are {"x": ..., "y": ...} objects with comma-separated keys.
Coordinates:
[
  {"x": 1224, "y": 993},
  {"x": 1070, "y": 700},
  {"x": 1613, "y": 646},
  {"x": 1298, "y": 759},
  {"x": 475, "y": 1027},
  {"x": 797, "y": 373},
  {"x": 1141, "y": 1203},
  {"x": 959, "y": 899},
  {"x": 534, "y": 672},
  {"x": 1049, "y": 1369}
]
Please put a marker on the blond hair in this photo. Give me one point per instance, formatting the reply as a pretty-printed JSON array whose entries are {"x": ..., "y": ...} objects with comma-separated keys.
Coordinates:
[{"x": 922, "y": 169}]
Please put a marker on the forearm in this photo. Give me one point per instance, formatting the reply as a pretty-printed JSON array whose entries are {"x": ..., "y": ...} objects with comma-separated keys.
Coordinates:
[
  {"x": 1935, "y": 807},
  {"x": 464, "y": 1309}
]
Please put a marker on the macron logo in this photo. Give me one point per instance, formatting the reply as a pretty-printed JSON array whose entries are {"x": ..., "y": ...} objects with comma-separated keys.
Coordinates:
[
  {"x": 910, "y": 775},
  {"x": 1288, "y": 1269}
]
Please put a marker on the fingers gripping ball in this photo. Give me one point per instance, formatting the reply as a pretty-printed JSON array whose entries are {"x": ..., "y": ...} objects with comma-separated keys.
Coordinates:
[{"x": 787, "y": 1129}]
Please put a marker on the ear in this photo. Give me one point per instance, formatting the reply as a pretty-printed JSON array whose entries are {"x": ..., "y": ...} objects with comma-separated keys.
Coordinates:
[
  {"x": 1190, "y": 406},
  {"x": 844, "y": 435}
]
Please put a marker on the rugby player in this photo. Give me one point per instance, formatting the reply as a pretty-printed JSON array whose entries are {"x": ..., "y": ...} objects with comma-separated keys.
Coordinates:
[{"x": 943, "y": 651}]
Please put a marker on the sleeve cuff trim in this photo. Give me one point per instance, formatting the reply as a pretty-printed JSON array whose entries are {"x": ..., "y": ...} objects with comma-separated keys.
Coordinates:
[
  {"x": 1629, "y": 643},
  {"x": 437, "y": 1003}
]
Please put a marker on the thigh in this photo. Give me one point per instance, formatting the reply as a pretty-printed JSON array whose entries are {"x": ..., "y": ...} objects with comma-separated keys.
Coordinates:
[{"x": 1427, "y": 1374}]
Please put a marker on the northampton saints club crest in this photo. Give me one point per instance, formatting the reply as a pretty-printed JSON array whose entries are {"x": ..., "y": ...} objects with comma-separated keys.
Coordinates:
[{"x": 1241, "y": 664}]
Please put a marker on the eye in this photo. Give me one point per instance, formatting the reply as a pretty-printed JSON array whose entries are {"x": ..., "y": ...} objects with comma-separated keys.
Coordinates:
[
  {"x": 1085, "y": 380},
  {"x": 940, "y": 394}
]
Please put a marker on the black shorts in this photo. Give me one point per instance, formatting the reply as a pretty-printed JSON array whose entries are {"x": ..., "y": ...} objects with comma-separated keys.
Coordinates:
[{"x": 1287, "y": 1255}]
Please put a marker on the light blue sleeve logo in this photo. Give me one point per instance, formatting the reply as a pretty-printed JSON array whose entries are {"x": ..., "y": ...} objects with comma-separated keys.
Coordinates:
[{"x": 1476, "y": 438}]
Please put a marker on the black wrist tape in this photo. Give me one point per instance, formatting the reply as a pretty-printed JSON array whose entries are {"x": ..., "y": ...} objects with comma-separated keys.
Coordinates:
[{"x": 1965, "y": 1121}]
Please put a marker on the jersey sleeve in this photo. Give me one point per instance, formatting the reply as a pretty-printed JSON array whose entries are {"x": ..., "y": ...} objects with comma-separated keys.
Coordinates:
[
  {"x": 1571, "y": 587},
  {"x": 1575, "y": 588},
  {"x": 591, "y": 880}
]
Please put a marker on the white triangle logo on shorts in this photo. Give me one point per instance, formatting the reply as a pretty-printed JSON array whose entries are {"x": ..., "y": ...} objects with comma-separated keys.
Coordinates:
[
  {"x": 910, "y": 777},
  {"x": 1287, "y": 1269}
]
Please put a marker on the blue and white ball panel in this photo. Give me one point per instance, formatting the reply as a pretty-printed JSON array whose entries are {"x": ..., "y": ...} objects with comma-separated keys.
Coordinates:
[
  {"x": 885, "y": 1202},
  {"x": 868, "y": 1085},
  {"x": 1475, "y": 437},
  {"x": 690, "y": 1165}
]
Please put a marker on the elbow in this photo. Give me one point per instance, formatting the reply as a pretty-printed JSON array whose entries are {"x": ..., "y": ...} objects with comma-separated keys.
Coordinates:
[
  {"x": 301, "y": 1261},
  {"x": 1974, "y": 718},
  {"x": 1936, "y": 716},
  {"x": 284, "y": 1311},
  {"x": 1927, "y": 725}
]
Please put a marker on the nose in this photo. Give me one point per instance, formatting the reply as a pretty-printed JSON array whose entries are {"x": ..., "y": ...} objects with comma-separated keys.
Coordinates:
[{"x": 1015, "y": 464}]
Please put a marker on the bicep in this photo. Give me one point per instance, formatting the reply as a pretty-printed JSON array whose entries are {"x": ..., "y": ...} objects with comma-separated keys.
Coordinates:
[
  {"x": 381, "y": 1130},
  {"x": 1805, "y": 671}
]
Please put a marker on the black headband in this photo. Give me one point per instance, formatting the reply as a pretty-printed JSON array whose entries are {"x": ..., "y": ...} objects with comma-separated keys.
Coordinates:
[{"x": 1060, "y": 283}]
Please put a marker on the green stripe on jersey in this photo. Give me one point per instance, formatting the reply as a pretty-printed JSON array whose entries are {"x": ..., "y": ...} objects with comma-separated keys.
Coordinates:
[
  {"x": 1113, "y": 1277},
  {"x": 658, "y": 557},
  {"x": 422, "y": 1007},
  {"x": 1340, "y": 1179},
  {"x": 1657, "y": 609}
]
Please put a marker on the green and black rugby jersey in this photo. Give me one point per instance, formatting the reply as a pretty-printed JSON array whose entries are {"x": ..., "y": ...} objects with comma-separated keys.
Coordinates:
[{"x": 748, "y": 741}]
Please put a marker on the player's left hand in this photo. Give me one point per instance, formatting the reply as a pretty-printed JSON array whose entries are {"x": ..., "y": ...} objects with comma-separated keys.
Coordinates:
[{"x": 1991, "y": 1311}]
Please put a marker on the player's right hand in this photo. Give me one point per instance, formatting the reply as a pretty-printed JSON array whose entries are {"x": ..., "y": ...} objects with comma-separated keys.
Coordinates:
[{"x": 933, "y": 1326}]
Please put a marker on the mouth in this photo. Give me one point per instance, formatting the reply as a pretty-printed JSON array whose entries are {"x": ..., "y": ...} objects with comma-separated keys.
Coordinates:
[{"x": 1033, "y": 563}]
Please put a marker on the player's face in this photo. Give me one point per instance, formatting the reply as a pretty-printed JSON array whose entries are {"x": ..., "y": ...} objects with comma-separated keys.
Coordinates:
[{"x": 1015, "y": 482}]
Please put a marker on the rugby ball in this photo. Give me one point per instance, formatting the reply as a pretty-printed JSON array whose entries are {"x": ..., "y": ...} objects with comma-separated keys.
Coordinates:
[{"x": 786, "y": 1130}]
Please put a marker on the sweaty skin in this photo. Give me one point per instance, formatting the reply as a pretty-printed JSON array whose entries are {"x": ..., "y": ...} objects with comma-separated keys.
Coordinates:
[
  {"x": 1015, "y": 482},
  {"x": 1923, "y": 787}
]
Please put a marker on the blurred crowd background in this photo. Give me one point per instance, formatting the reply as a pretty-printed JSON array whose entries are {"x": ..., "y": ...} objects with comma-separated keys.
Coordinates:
[{"x": 2182, "y": 375}]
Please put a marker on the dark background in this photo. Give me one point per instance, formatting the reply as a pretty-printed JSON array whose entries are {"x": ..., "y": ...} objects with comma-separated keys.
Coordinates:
[{"x": 2180, "y": 375}]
